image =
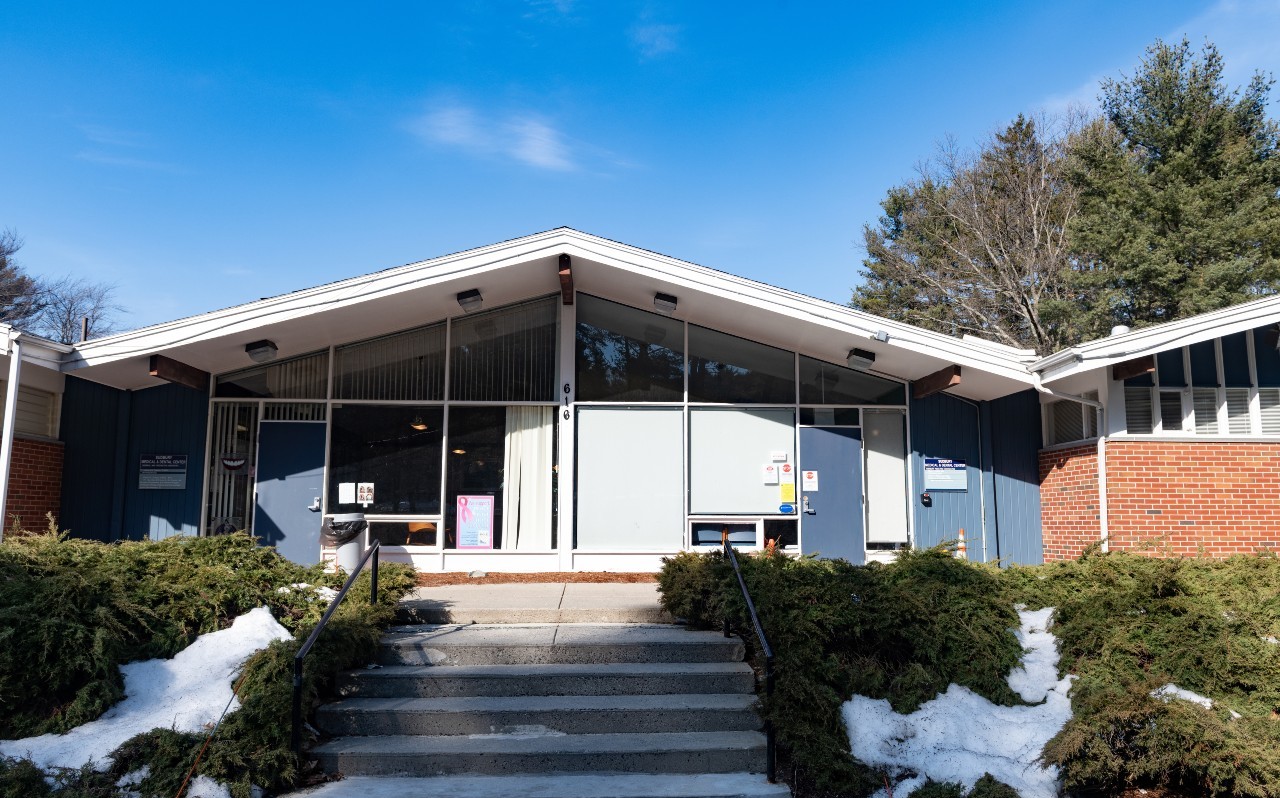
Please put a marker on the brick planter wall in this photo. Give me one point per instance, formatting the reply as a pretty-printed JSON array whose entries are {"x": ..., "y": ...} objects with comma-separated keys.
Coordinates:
[
  {"x": 35, "y": 483},
  {"x": 1173, "y": 498},
  {"x": 1069, "y": 516}
]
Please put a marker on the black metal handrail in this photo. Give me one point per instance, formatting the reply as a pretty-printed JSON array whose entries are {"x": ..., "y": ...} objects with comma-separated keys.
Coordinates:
[
  {"x": 767, "y": 650},
  {"x": 295, "y": 734}
]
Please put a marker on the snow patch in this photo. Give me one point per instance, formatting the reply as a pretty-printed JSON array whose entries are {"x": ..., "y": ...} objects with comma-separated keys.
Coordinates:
[
  {"x": 185, "y": 693},
  {"x": 960, "y": 735},
  {"x": 1172, "y": 691}
]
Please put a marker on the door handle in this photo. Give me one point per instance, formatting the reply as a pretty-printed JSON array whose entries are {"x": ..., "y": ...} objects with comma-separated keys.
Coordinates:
[
  {"x": 804, "y": 502},
  {"x": 315, "y": 505}
]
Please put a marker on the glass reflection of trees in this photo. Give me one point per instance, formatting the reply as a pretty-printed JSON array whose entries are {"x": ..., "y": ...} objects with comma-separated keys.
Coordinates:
[{"x": 628, "y": 355}]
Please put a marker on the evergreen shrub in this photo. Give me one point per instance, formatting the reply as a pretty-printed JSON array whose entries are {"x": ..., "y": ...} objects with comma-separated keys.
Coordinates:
[{"x": 72, "y": 611}]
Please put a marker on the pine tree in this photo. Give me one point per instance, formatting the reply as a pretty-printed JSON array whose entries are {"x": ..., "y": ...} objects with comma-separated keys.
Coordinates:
[{"x": 1179, "y": 193}]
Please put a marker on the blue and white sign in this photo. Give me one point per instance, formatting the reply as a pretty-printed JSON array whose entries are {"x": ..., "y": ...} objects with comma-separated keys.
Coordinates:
[{"x": 943, "y": 474}]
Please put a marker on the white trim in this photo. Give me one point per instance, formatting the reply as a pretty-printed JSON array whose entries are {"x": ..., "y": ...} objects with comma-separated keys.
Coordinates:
[{"x": 1158, "y": 338}]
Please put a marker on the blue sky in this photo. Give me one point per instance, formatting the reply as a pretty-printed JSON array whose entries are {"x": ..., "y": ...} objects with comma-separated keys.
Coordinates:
[{"x": 203, "y": 155}]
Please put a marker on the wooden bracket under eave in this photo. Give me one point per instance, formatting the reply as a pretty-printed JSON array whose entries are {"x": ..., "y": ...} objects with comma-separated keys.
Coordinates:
[
  {"x": 1133, "y": 368},
  {"x": 566, "y": 279},
  {"x": 175, "y": 371},
  {"x": 937, "y": 382}
]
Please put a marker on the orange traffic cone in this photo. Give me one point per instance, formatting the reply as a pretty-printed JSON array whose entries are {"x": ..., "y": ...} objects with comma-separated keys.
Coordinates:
[{"x": 962, "y": 552}]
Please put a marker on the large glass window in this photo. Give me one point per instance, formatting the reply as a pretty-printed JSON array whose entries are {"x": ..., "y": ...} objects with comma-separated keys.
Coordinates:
[
  {"x": 404, "y": 366},
  {"x": 827, "y": 384},
  {"x": 505, "y": 355},
  {"x": 396, "y": 449},
  {"x": 303, "y": 377},
  {"x": 477, "y": 456},
  {"x": 725, "y": 368},
  {"x": 627, "y": 355}
]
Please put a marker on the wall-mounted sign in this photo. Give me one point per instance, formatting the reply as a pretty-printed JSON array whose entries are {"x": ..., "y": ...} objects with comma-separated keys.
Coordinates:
[
  {"x": 346, "y": 493},
  {"x": 475, "y": 522},
  {"x": 809, "y": 481},
  {"x": 786, "y": 509},
  {"x": 364, "y": 493},
  {"x": 788, "y": 492},
  {"x": 769, "y": 474},
  {"x": 788, "y": 473},
  {"x": 778, "y": 457},
  {"x": 943, "y": 474},
  {"x": 162, "y": 472}
]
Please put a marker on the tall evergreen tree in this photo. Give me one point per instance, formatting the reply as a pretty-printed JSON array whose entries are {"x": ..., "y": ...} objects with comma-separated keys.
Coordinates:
[
  {"x": 977, "y": 244},
  {"x": 1179, "y": 193}
]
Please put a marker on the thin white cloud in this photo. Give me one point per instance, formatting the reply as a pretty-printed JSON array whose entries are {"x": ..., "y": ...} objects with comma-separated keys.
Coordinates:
[
  {"x": 113, "y": 137},
  {"x": 538, "y": 144},
  {"x": 654, "y": 40},
  {"x": 525, "y": 138}
]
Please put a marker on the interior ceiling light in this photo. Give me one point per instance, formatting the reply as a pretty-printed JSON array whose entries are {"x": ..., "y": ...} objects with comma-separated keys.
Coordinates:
[
  {"x": 261, "y": 351},
  {"x": 664, "y": 303},
  {"x": 470, "y": 300},
  {"x": 459, "y": 451},
  {"x": 418, "y": 423}
]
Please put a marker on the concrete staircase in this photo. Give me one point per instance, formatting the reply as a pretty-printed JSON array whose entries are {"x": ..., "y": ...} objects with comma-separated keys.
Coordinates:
[{"x": 571, "y": 710}]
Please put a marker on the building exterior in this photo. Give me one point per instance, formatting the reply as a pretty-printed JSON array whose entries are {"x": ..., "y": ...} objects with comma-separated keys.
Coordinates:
[{"x": 565, "y": 402}]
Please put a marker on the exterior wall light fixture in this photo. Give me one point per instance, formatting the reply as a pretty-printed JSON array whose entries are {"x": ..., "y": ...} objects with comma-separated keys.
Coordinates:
[
  {"x": 470, "y": 300},
  {"x": 664, "y": 303},
  {"x": 261, "y": 351},
  {"x": 861, "y": 359}
]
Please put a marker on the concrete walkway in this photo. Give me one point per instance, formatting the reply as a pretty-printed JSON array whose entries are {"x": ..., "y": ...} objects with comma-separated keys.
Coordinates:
[{"x": 547, "y": 602}]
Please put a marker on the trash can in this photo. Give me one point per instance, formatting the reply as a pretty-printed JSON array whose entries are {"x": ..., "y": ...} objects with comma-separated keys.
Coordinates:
[{"x": 349, "y": 534}]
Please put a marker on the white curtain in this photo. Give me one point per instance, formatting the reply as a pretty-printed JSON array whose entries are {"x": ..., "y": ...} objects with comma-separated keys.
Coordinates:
[{"x": 526, "y": 489}]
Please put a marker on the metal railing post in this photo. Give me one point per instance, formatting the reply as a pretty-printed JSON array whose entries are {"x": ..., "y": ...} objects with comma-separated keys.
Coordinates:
[
  {"x": 771, "y": 771},
  {"x": 295, "y": 734}
]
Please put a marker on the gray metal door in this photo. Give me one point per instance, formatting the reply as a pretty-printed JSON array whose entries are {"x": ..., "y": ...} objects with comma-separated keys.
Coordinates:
[
  {"x": 831, "y": 508},
  {"x": 290, "y": 482}
]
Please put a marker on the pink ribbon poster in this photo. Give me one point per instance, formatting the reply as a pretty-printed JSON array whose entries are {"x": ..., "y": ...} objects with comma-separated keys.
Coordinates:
[{"x": 475, "y": 522}]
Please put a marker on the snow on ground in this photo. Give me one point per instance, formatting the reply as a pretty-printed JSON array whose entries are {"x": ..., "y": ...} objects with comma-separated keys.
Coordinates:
[
  {"x": 1171, "y": 691},
  {"x": 960, "y": 735},
  {"x": 183, "y": 693}
]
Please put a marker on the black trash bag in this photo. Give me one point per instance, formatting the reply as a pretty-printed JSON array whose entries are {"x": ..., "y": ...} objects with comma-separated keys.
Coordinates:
[{"x": 335, "y": 532}]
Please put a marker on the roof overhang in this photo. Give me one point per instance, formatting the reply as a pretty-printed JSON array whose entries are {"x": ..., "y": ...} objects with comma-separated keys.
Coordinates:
[
  {"x": 1158, "y": 338},
  {"x": 421, "y": 293}
]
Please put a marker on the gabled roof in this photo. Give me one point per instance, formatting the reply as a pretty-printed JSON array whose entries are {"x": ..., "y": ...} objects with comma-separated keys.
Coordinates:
[
  {"x": 1158, "y": 338},
  {"x": 423, "y": 292}
]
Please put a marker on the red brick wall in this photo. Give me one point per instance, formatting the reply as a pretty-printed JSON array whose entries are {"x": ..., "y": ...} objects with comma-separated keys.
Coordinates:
[
  {"x": 1069, "y": 515},
  {"x": 1168, "y": 498},
  {"x": 35, "y": 483}
]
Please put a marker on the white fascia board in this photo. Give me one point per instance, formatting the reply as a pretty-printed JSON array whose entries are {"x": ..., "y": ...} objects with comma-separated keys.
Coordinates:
[
  {"x": 476, "y": 262},
  {"x": 778, "y": 300},
  {"x": 352, "y": 291},
  {"x": 1158, "y": 338}
]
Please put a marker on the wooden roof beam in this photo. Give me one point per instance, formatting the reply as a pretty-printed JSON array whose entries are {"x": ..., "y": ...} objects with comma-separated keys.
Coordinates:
[
  {"x": 1133, "y": 368},
  {"x": 937, "y": 382},
  {"x": 566, "y": 279},
  {"x": 175, "y": 371}
]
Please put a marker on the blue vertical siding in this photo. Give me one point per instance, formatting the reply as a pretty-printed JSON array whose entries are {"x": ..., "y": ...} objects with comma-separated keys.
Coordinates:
[
  {"x": 105, "y": 432},
  {"x": 90, "y": 421},
  {"x": 944, "y": 426},
  {"x": 1016, "y": 442},
  {"x": 167, "y": 419}
]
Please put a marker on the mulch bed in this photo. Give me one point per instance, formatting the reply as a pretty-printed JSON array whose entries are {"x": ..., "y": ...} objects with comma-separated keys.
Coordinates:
[{"x": 491, "y": 578}]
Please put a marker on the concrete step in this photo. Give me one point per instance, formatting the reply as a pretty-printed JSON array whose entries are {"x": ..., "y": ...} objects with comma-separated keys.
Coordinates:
[
  {"x": 506, "y": 754},
  {"x": 590, "y": 714},
  {"x": 555, "y": 785},
  {"x": 624, "y": 678},
  {"x": 558, "y": 643},
  {"x": 534, "y": 603}
]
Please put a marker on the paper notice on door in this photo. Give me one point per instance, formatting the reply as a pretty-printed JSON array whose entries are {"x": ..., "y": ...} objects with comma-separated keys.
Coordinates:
[
  {"x": 788, "y": 492},
  {"x": 769, "y": 474},
  {"x": 364, "y": 493},
  {"x": 809, "y": 481},
  {"x": 346, "y": 493}
]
